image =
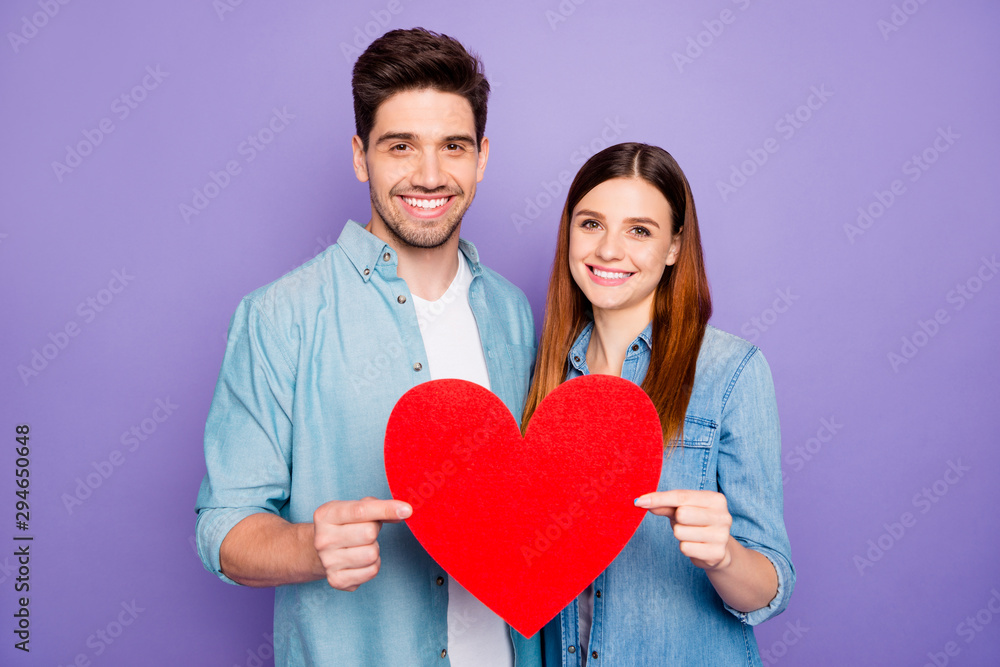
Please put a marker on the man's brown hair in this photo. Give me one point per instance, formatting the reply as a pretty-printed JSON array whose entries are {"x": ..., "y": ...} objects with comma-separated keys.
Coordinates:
[{"x": 416, "y": 59}]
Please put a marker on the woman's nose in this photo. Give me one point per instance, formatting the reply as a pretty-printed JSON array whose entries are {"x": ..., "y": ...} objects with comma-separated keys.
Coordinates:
[{"x": 610, "y": 247}]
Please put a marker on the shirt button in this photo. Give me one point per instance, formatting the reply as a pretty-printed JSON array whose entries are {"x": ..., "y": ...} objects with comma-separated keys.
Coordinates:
[
  {"x": 635, "y": 348},
  {"x": 594, "y": 655},
  {"x": 440, "y": 581},
  {"x": 401, "y": 298},
  {"x": 444, "y": 652},
  {"x": 572, "y": 649},
  {"x": 576, "y": 358},
  {"x": 386, "y": 257},
  {"x": 597, "y": 594},
  {"x": 417, "y": 366},
  {"x": 367, "y": 271}
]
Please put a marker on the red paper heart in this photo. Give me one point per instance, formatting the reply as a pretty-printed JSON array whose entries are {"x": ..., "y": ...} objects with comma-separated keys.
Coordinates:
[{"x": 524, "y": 524}]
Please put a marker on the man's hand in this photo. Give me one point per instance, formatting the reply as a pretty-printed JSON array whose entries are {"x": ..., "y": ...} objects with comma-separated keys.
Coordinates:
[
  {"x": 346, "y": 534},
  {"x": 701, "y": 523}
]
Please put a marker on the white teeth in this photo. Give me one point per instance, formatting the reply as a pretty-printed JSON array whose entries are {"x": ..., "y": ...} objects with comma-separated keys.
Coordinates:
[
  {"x": 425, "y": 203},
  {"x": 610, "y": 275}
]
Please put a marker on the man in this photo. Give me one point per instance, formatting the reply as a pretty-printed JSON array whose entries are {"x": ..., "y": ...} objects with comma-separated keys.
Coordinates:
[{"x": 296, "y": 494}]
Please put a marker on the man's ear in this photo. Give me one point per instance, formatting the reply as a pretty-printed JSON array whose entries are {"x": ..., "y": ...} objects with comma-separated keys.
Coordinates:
[
  {"x": 484, "y": 153},
  {"x": 675, "y": 247},
  {"x": 360, "y": 163}
]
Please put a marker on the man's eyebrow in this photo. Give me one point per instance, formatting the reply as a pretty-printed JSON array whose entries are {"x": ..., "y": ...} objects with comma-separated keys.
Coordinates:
[
  {"x": 396, "y": 136},
  {"x": 409, "y": 136}
]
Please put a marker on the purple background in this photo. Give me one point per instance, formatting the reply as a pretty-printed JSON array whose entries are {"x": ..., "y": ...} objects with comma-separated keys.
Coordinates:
[{"x": 562, "y": 74}]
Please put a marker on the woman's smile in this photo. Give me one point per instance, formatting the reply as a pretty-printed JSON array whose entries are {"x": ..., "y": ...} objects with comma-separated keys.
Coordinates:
[{"x": 609, "y": 277}]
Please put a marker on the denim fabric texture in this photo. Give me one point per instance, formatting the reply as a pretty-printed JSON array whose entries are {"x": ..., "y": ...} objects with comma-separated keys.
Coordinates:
[
  {"x": 652, "y": 606},
  {"x": 314, "y": 364}
]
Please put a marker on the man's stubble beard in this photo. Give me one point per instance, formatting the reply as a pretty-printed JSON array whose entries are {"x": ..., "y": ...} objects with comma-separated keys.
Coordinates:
[{"x": 410, "y": 235}]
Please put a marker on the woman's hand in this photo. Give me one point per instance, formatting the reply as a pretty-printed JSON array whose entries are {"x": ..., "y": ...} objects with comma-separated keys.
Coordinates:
[
  {"x": 744, "y": 578},
  {"x": 701, "y": 523}
]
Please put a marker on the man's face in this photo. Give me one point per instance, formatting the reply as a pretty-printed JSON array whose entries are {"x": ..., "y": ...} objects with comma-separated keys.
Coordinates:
[{"x": 422, "y": 166}]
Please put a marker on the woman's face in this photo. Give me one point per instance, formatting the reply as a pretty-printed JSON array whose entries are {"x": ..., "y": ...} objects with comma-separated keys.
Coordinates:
[{"x": 620, "y": 243}]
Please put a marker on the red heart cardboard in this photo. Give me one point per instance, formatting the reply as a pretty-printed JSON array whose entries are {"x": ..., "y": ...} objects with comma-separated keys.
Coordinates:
[{"x": 524, "y": 524}]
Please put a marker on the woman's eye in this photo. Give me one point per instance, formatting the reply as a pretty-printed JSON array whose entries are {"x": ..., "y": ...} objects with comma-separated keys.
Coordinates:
[
  {"x": 590, "y": 224},
  {"x": 640, "y": 231}
]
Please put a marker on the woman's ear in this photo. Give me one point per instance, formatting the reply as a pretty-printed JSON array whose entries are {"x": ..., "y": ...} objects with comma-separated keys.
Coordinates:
[{"x": 675, "y": 248}]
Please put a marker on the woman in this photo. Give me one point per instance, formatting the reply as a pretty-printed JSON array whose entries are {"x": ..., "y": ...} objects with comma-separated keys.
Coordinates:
[{"x": 628, "y": 293}]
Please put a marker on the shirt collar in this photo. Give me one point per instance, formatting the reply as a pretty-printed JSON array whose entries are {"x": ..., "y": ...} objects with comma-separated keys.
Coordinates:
[
  {"x": 365, "y": 250},
  {"x": 472, "y": 255},
  {"x": 578, "y": 351}
]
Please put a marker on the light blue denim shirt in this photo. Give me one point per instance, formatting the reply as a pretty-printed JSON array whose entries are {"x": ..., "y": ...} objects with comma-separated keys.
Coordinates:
[
  {"x": 652, "y": 606},
  {"x": 314, "y": 364}
]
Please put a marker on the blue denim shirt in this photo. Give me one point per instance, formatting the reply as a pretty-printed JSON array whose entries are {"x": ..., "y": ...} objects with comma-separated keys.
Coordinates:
[
  {"x": 314, "y": 364},
  {"x": 651, "y": 605}
]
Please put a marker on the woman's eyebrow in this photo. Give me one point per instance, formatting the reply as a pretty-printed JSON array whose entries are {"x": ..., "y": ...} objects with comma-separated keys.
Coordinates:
[
  {"x": 629, "y": 221},
  {"x": 643, "y": 221}
]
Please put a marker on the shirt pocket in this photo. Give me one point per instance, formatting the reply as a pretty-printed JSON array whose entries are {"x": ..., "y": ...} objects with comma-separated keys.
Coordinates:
[{"x": 686, "y": 465}]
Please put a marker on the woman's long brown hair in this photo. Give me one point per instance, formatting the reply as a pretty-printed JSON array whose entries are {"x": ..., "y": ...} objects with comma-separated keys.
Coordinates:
[{"x": 681, "y": 306}]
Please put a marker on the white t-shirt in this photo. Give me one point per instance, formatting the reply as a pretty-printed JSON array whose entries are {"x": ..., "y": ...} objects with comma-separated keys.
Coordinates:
[
  {"x": 586, "y": 604},
  {"x": 477, "y": 637}
]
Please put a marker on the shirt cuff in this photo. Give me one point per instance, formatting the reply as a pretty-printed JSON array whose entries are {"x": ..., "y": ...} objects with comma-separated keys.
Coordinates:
[
  {"x": 212, "y": 527},
  {"x": 786, "y": 582}
]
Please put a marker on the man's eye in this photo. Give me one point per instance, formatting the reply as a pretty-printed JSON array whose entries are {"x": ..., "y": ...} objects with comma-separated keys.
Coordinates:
[
  {"x": 398, "y": 147},
  {"x": 455, "y": 147}
]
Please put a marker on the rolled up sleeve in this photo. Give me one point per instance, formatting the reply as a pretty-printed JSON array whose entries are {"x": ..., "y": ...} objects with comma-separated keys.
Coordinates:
[
  {"x": 750, "y": 476},
  {"x": 247, "y": 435}
]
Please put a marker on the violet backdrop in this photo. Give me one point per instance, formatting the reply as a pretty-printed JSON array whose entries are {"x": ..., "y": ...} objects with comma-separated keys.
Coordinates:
[{"x": 843, "y": 161}]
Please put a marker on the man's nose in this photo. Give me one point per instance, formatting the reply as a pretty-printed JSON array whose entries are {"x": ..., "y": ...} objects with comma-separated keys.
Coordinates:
[{"x": 429, "y": 173}]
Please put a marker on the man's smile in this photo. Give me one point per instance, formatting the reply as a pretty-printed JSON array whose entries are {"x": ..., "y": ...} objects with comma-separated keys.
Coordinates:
[{"x": 424, "y": 206}]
